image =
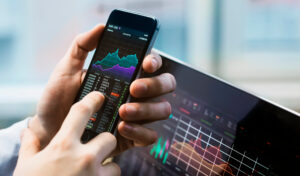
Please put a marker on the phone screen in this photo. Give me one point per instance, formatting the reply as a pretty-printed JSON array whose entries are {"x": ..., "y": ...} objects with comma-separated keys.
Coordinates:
[{"x": 114, "y": 66}]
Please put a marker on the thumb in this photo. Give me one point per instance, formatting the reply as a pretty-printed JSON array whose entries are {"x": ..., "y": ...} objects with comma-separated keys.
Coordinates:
[{"x": 30, "y": 145}]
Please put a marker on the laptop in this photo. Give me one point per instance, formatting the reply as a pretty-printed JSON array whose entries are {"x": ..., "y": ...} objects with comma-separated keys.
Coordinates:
[{"x": 216, "y": 129}]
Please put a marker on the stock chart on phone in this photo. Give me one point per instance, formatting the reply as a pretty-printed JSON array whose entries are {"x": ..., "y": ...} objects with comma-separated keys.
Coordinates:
[{"x": 113, "y": 66}]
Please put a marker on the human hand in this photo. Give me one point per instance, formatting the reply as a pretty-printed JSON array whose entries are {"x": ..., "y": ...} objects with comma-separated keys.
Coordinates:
[
  {"x": 62, "y": 87},
  {"x": 65, "y": 82},
  {"x": 65, "y": 154},
  {"x": 134, "y": 115}
]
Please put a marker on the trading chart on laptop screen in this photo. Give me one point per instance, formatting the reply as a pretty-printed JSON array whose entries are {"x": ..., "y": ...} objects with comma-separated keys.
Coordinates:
[{"x": 216, "y": 129}]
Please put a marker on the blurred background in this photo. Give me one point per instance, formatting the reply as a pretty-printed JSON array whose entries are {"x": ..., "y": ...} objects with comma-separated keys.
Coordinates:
[{"x": 254, "y": 44}]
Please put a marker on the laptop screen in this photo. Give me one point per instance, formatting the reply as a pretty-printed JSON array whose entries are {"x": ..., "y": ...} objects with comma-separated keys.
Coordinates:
[{"x": 216, "y": 129}]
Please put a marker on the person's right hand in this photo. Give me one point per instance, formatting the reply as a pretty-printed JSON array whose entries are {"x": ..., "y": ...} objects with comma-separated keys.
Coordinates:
[
  {"x": 65, "y": 154},
  {"x": 64, "y": 84}
]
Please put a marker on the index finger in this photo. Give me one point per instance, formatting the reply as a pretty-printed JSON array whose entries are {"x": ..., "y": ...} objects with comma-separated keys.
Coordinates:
[{"x": 80, "y": 113}]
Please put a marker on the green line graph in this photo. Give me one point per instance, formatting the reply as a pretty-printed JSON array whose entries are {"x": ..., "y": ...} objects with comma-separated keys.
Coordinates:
[
  {"x": 159, "y": 149},
  {"x": 112, "y": 59}
]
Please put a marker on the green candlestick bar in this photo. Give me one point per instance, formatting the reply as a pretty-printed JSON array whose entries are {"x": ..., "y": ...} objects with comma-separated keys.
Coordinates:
[
  {"x": 160, "y": 150},
  {"x": 165, "y": 158}
]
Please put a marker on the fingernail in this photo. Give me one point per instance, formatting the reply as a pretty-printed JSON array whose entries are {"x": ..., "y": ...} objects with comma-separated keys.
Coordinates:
[
  {"x": 141, "y": 87},
  {"x": 100, "y": 95},
  {"x": 170, "y": 81},
  {"x": 130, "y": 110},
  {"x": 154, "y": 63}
]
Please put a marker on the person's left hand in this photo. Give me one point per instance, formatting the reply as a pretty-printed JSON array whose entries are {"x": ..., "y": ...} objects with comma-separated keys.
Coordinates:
[{"x": 65, "y": 82}]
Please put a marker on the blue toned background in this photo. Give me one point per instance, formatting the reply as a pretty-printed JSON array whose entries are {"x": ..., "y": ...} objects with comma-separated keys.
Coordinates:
[{"x": 253, "y": 44}]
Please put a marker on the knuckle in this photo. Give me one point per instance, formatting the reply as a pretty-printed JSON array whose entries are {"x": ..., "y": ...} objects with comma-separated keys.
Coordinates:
[
  {"x": 77, "y": 51},
  {"x": 87, "y": 158},
  {"x": 78, "y": 37},
  {"x": 63, "y": 145}
]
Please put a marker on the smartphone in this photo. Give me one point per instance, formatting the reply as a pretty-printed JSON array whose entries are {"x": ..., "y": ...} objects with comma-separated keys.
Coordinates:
[{"x": 125, "y": 41}]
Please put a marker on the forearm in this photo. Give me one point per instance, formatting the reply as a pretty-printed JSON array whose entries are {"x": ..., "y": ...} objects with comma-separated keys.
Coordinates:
[{"x": 9, "y": 146}]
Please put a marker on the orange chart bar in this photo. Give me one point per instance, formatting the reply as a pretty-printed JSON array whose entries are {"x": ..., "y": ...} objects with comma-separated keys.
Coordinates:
[{"x": 115, "y": 94}]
